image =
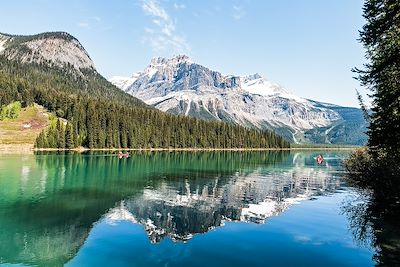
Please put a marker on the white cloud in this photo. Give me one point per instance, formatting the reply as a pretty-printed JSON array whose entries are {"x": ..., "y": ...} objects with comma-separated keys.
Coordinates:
[
  {"x": 152, "y": 7},
  {"x": 162, "y": 36},
  {"x": 238, "y": 12},
  {"x": 179, "y": 6}
]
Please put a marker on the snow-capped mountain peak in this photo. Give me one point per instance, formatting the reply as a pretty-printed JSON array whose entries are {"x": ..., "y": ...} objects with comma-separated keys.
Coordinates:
[
  {"x": 157, "y": 64},
  {"x": 158, "y": 61},
  {"x": 256, "y": 84},
  {"x": 124, "y": 82},
  {"x": 180, "y": 86},
  {"x": 161, "y": 64}
]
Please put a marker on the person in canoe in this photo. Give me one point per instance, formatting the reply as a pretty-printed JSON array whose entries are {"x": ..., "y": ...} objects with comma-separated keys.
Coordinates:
[
  {"x": 320, "y": 159},
  {"x": 123, "y": 155}
]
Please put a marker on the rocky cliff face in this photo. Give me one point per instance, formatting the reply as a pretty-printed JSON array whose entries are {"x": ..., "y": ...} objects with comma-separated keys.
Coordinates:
[
  {"x": 180, "y": 86},
  {"x": 55, "y": 48},
  {"x": 164, "y": 76}
]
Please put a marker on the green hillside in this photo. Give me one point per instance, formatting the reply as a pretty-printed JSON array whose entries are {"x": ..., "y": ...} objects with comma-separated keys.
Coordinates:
[
  {"x": 350, "y": 130},
  {"x": 99, "y": 115},
  {"x": 24, "y": 127}
]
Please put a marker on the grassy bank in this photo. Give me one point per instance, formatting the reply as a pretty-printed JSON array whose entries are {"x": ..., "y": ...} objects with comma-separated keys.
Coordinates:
[{"x": 21, "y": 131}]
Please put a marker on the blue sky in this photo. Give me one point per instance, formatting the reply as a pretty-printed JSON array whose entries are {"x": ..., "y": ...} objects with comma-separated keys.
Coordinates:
[{"x": 308, "y": 46}]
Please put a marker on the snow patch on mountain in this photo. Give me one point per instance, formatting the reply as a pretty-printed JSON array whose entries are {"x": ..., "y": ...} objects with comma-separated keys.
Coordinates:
[
  {"x": 180, "y": 86},
  {"x": 256, "y": 84},
  {"x": 123, "y": 82},
  {"x": 245, "y": 109}
]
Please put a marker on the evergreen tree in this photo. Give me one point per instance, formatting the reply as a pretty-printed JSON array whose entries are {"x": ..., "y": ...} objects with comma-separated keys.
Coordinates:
[
  {"x": 69, "y": 137},
  {"x": 381, "y": 38},
  {"x": 377, "y": 168},
  {"x": 50, "y": 137},
  {"x": 41, "y": 141},
  {"x": 98, "y": 116},
  {"x": 60, "y": 134}
]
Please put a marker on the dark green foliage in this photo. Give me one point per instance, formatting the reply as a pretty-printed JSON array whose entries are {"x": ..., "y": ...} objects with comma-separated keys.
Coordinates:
[
  {"x": 363, "y": 106},
  {"x": 10, "y": 111},
  {"x": 69, "y": 137},
  {"x": 381, "y": 38},
  {"x": 41, "y": 140},
  {"x": 17, "y": 81},
  {"x": 102, "y": 124},
  {"x": 98, "y": 115},
  {"x": 377, "y": 169},
  {"x": 60, "y": 134}
]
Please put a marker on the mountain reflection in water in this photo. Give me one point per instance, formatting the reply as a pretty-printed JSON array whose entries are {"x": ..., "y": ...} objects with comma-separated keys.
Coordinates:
[
  {"x": 49, "y": 203},
  {"x": 181, "y": 206}
]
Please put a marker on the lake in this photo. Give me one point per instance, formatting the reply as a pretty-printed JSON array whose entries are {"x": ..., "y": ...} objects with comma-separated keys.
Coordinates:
[{"x": 177, "y": 209}]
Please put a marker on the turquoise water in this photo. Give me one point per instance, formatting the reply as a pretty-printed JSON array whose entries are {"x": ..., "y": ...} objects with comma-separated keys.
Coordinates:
[{"x": 177, "y": 209}]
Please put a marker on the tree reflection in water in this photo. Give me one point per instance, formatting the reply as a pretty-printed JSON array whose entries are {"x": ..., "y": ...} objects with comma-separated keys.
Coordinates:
[
  {"x": 49, "y": 203},
  {"x": 375, "y": 223}
]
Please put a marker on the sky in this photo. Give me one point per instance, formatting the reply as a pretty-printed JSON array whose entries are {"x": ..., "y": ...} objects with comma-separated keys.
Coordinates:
[{"x": 307, "y": 46}]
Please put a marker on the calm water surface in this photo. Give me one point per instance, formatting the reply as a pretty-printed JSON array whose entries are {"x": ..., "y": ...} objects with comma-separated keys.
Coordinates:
[{"x": 177, "y": 209}]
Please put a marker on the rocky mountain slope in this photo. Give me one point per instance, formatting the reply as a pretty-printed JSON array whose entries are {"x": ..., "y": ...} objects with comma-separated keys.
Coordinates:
[
  {"x": 56, "y": 48},
  {"x": 61, "y": 61},
  {"x": 180, "y": 86},
  {"x": 54, "y": 71}
]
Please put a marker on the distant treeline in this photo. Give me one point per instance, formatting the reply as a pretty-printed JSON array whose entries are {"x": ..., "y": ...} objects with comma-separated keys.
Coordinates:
[
  {"x": 96, "y": 114},
  {"x": 316, "y": 146}
]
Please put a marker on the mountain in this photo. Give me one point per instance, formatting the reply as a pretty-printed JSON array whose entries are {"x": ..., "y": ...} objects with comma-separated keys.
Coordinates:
[
  {"x": 55, "y": 71},
  {"x": 58, "y": 60},
  {"x": 57, "y": 48},
  {"x": 180, "y": 86}
]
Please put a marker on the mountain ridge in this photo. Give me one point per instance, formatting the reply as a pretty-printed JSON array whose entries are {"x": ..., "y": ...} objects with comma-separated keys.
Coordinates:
[
  {"x": 180, "y": 86},
  {"x": 61, "y": 54},
  {"x": 57, "y": 48},
  {"x": 55, "y": 71}
]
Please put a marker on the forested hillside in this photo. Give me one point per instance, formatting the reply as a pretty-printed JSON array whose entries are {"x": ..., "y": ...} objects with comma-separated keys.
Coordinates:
[
  {"x": 95, "y": 114},
  {"x": 181, "y": 86}
]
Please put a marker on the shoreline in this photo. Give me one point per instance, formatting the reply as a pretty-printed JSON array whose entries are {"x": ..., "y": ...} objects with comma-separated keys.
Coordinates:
[
  {"x": 29, "y": 149},
  {"x": 6, "y": 149}
]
